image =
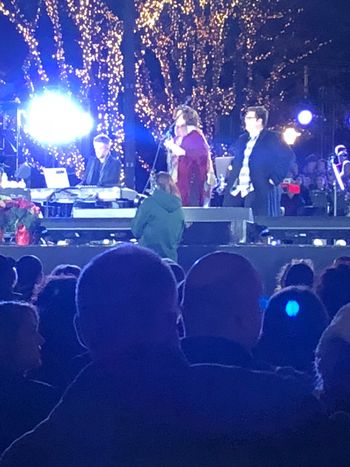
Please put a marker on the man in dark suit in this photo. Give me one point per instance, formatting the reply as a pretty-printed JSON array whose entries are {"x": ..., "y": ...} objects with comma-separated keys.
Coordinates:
[
  {"x": 261, "y": 161},
  {"x": 104, "y": 169}
]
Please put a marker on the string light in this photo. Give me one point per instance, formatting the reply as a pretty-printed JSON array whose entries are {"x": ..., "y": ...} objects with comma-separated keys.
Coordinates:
[{"x": 193, "y": 43}]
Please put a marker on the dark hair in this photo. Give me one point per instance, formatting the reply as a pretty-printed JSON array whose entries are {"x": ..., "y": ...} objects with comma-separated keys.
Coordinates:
[
  {"x": 11, "y": 317},
  {"x": 8, "y": 277},
  {"x": 334, "y": 288},
  {"x": 311, "y": 158},
  {"x": 342, "y": 260},
  {"x": 122, "y": 290},
  {"x": 166, "y": 183},
  {"x": 29, "y": 269},
  {"x": 294, "y": 321},
  {"x": 66, "y": 270},
  {"x": 261, "y": 113},
  {"x": 55, "y": 301},
  {"x": 296, "y": 272},
  {"x": 102, "y": 138},
  {"x": 190, "y": 116}
]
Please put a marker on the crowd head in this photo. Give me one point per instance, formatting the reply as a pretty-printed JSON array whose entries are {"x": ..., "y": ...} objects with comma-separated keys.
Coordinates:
[
  {"x": 126, "y": 297},
  {"x": 221, "y": 298},
  {"x": 20, "y": 340}
]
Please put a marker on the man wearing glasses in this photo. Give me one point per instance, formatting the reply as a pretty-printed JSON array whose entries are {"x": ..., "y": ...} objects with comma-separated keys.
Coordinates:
[{"x": 261, "y": 161}]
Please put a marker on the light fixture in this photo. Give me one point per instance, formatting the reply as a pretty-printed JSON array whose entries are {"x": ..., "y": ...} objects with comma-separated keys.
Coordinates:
[
  {"x": 54, "y": 118},
  {"x": 290, "y": 135},
  {"x": 340, "y": 242},
  {"x": 305, "y": 117},
  {"x": 319, "y": 242}
]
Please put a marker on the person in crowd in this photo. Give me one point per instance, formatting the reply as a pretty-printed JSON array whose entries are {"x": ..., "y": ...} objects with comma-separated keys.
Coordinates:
[
  {"x": 292, "y": 203},
  {"x": 141, "y": 403},
  {"x": 305, "y": 183},
  {"x": 262, "y": 160},
  {"x": 341, "y": 260},
  {"x": 321, "y": 167},
  {"x": 8, "y": 281},
  {"x": 159, "y": 220},
  {"x": 334, "y": 288},
  {"x": 294, "y": 321},
  {"x": 55, "y": 301},
  {"x": 332, "y": 362},
  {"x": 23, "y": 402},
  {"x": 310, "y": 166},
  {"x": 103, "y": 169},
  {"x": 30, "y": 274},
  {"x": 191, "y": 165},
  {"x": 320, "y": 183},
  {"x": 221, "y": 311},
  {"x": 66, "y": 270},
  {"x": 296, "y": 272}
]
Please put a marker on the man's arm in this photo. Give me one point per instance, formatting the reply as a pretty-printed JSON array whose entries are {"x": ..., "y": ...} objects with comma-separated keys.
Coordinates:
[
  {"x": 140, "y": 220},
  {"x": 281, "y": 160}
]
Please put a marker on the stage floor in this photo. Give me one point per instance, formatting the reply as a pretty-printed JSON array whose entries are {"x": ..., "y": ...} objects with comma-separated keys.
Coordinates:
[{"x": 266, "y": 258}]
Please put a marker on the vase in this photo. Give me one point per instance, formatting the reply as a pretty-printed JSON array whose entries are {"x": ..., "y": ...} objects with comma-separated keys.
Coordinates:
[{"x": 23, "y": 236}]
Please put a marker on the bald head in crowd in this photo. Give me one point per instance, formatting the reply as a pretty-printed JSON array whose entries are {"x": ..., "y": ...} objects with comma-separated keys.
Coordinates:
[
  {"x": 221, "y": 299},
  {"x": 126, "y": 297}
]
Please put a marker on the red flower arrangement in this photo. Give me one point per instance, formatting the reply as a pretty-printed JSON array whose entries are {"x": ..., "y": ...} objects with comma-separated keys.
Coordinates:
[{"x": 19, "y": 216}]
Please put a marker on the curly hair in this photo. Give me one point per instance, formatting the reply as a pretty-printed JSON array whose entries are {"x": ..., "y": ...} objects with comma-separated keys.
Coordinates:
[{"x": 190, "y": 115}]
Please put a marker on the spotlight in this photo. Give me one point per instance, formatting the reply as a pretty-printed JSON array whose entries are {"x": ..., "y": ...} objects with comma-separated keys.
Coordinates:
[
  {"x": 290, "y": 135},
  {"x": 305, "y": 117},
  {"x": 55, "y": 118}
]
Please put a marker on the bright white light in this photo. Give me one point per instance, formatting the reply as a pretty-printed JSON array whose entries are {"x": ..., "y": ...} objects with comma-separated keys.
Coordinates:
[
  {"x": 340, "y": 242},
  {"x": 54, "y": 118},
  {"x": 305, "y": 117},
  {"x": 319, "y": 242},
  {"x": 290, "y": 135}
]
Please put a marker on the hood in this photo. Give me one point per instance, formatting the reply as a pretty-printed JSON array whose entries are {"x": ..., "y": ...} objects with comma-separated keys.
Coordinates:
[{"x": 166, "y": 200}]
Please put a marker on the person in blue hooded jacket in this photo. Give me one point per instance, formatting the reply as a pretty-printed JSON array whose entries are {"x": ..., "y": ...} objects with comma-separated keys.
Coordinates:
[{"x": 159, "y": 221}]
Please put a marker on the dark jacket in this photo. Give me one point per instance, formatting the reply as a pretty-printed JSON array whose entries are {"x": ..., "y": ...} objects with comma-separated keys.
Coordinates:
[
  {"x": 270, "y": 160},
  {"x": 159, "y": 223},
  {"x": 107, "y": 174},
  {"x": 221, "y": 351},
  {"x": 150, "y": 408},
  {"x": 23, "y": 404}
]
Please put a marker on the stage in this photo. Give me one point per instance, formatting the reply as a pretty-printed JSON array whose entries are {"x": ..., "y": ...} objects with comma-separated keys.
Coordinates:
[
  {"x": 267, "y": 242},
  {"x": 266, "y": 258}
]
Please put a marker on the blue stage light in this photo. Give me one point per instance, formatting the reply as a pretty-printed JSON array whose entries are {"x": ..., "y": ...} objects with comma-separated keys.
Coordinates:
[
  {"x": 55, "y": 118},
  {"x": 305, "y": 117},
  {"x": 292, "y": 308}
]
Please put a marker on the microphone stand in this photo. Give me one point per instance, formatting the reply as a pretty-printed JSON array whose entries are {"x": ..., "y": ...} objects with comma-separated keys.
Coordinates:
[
  {"x": 151, "y": 178},
  {"x": 167, "y": 135}
]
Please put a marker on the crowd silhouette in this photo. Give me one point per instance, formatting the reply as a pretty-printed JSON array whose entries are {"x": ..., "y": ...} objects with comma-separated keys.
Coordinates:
[{"x": 132, "y": 361}]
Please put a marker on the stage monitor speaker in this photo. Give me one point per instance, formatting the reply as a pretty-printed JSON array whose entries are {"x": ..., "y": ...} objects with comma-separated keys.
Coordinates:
[{"x": 216, "y": 226}]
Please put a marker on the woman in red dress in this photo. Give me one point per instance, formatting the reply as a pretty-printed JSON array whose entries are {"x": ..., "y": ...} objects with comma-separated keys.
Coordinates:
[{"x": 190, "y": 162}]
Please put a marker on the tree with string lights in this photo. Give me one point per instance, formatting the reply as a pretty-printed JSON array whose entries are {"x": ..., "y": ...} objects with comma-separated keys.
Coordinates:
[
  {"x": 224, "y": 54},
  {"x": 95, "y": 78}
]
